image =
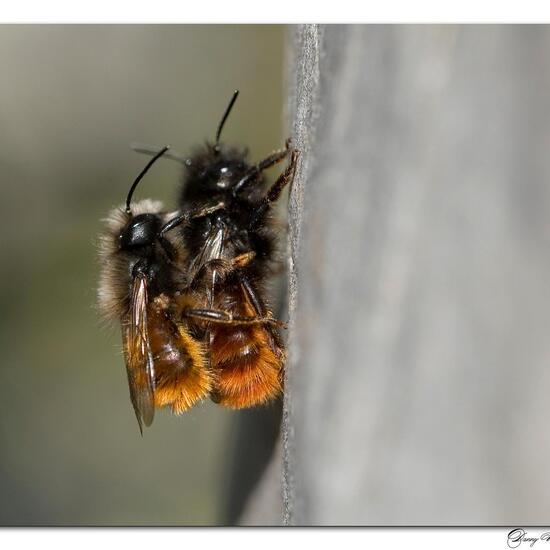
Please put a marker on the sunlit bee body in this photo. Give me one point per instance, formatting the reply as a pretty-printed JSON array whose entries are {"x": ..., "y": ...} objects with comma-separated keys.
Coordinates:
[
  {"x": 247, "y": 359},
  {"x": 231, "y": 254},
  {"x": 142, "y": 268}
]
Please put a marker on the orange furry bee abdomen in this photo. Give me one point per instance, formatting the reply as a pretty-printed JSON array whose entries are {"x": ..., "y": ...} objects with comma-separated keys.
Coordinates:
[
  {"x": 180, "y": 373},
  {"x": 246, "y": 360}
]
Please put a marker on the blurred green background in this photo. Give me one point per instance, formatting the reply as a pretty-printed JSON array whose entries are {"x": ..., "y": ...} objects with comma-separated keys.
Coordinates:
[{"x": 72, "y": 99}]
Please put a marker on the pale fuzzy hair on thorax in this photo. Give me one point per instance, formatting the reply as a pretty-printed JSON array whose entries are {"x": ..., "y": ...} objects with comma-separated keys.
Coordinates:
[{"x": 113, "y": 294}]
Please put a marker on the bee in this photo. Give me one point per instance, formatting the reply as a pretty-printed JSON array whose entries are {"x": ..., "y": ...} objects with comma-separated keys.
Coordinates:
[
  {"x": 192, "y": 304},
  {"x": 231, "y": 252},
  {"x": 143, "y": 265}
]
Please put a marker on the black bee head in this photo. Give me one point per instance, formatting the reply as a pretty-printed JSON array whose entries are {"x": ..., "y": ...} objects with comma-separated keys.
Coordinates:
[
  {"x": 211, "y": 175},
  {"x": 140, "y": 232},
  {"x": 223, "y": 174}
]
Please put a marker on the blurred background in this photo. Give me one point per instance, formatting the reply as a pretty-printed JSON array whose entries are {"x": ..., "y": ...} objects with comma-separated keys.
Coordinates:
[{"x": 72, "y": 100}]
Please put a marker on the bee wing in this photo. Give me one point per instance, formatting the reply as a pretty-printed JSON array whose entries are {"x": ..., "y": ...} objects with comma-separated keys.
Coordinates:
[
  {"x": 213, "y": 249},
  {"x": 139, "y": 359}
]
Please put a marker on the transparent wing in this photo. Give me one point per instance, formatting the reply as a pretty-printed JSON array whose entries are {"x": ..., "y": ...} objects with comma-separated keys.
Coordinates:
[
  {"x": 139, "y": 359},
  {"x": 213, "y": 249}
]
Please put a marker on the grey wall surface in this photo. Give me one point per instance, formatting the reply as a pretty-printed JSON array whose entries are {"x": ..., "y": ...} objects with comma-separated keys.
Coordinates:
[{"x": 418, "y": 379}]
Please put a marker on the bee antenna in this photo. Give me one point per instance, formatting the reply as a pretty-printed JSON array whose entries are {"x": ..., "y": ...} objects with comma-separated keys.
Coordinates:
[
  {"x": 225, "y": 115},
  {"x": 141, "y": 174}
]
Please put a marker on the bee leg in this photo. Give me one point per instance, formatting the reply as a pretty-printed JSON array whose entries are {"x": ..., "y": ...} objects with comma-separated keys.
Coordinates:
[
  {"x": 206, "y": 211},
  {"x": 268, "y": 162},
  {"x": 186, "y": 216},
  {"x": 243, "y": 259},
  {"x": 225, "y": 318},
  {"x": 222, "y": 267},
  {"x": 252, "y": 295},
  {"x": 167, "y": 247},
  {"x": 256, "y": 302},
  {"x": 275, "y": 191}
]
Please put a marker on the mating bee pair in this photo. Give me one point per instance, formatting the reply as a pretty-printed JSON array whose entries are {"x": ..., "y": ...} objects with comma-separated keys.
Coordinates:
[{"x": 187, "y": 286}]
